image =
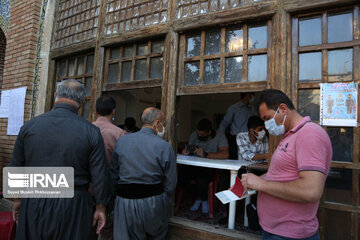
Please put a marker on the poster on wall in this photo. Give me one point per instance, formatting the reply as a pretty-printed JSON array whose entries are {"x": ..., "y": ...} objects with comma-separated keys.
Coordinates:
[{"x": 338, "y": 104}]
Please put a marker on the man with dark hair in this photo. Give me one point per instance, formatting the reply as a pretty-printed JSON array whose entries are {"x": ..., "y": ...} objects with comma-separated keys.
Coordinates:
[
  {"x": 236, "y": 118},
  {"x": 105, "y": 111},
  {"x": 130, "y": 125},
  {"x": 253, "y": 145},
  {"x": 62, "y": 138},
  {"x": 289, "y": 193},
  {"x": 144, "y": 168},
  {"x": 206, "y": 143}
]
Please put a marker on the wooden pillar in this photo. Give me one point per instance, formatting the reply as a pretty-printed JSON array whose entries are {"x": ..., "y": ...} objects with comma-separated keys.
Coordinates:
[
  {"x": 168, "y": 100},
  {"x": 97, "y": 83}
]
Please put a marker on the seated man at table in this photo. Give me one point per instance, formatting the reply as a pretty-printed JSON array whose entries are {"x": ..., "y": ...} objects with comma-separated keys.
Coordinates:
[
  {"x": 207, "y": 143},
  {"x": 253, "y": 145}
]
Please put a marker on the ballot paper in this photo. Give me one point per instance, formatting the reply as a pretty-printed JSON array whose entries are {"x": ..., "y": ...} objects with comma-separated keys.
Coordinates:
[{"x": 236, "y": 192}]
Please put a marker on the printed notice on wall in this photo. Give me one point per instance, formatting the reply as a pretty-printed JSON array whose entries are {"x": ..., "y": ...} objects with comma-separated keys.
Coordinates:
[
  {"x": 4, "y": 104},
  {"x": 16, "y": 110},
  {"x": 338, "y": 104}
]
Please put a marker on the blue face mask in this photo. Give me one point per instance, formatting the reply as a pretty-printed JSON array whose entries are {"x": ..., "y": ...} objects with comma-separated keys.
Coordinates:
[{"x": 273, "y": 128}]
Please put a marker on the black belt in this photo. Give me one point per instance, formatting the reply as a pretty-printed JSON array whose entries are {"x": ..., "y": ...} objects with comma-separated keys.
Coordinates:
[{"x": 137, "y": 191}]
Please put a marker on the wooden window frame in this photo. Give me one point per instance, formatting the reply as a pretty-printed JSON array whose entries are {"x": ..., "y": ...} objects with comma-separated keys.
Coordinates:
[
  {"x": 76, "y": 22},
  {"x": 148, "y": 82},
  {"x": 224, "y": 87},
  {"x": 79, "y": 77},
  {"x": 353, "y": 208}
]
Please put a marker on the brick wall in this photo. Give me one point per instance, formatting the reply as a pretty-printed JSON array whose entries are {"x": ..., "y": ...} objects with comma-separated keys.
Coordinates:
[
  {"x": 2, "y": 54},
  {"x": 19, "y": 63}
]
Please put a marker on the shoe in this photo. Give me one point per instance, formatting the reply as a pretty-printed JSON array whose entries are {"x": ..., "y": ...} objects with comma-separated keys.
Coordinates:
[
  {"x": 205, "y": 207},
  {"x": 195, "y": 206}
]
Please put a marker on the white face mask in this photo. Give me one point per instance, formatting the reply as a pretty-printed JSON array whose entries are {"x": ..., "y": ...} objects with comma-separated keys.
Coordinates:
[
  {"x": 260, "y": 135},
  {"x": 273, "y": 128},
  {"x": 162, "y": 133}
]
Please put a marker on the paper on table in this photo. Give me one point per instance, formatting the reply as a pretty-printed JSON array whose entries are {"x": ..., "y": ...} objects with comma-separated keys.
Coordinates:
[
  {"x": 16, "y": 110},
  {"x": 236, "y": 192},
  {"x": 4, "y": 104}
]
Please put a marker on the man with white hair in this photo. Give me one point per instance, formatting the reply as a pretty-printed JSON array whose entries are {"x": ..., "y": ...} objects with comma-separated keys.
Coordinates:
[
  {"x": 144, "y": 168},
  {"x": 61, "y": 138}
]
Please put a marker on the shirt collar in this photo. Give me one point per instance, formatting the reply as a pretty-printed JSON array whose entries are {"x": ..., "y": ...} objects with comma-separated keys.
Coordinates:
[
  {"x": 147, "y": 130},
  {"x": 66, "y": 106},
  {"x": 103, "y": 119},
  {"x": 299, "y": 125}
]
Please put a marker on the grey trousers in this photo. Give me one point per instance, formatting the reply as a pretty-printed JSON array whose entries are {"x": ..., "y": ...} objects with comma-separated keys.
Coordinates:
[{"x": 137, "y": 219}]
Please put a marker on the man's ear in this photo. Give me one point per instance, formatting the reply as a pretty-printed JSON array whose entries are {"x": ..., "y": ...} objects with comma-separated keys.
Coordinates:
[
  {"x": 283, "y": 107},
  {"x": 113, "y": 112}
]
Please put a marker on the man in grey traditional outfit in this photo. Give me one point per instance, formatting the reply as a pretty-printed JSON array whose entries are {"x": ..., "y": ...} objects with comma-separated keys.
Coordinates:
[
  {"x": 144, "y": 168},
  {"x": 62, "y": 138}
]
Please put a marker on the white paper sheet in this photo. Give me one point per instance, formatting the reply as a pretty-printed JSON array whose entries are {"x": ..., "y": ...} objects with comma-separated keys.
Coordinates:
[
  {"x": 226, "y": 196},
  {"x": 4, "y": 104},
  {"x": 16, "y": 110}
]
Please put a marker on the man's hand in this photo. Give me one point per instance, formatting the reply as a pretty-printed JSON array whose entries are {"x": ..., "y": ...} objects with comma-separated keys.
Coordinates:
[
  {"x": 15, "y": 210},
  {"x": 185, "y": 151},
  {"x": 251, "y": 182},
  {"x": 99, "y": 217},
  {"x": 200, "y": 152}
]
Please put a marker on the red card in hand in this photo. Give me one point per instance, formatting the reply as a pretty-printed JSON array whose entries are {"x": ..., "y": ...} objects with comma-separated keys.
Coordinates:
[{"x": 237, "y": 188}]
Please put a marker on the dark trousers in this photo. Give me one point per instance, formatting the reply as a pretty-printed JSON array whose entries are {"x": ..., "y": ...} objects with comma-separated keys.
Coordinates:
[{"x": 270, "y": 236}]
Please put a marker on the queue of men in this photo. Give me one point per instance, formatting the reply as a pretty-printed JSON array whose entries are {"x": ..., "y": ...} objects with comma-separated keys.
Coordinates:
[{"x": 124, "y": 182}]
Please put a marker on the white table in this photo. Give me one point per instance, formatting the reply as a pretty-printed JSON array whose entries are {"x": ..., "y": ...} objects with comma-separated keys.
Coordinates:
[{"x": 232, "y": 165}]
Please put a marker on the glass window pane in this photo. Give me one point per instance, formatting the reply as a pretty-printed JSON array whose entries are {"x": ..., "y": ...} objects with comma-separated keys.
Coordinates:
[
  {"x": 340, "y": 64},
  {"x": 337, "y": 225},
  {"x": 193, "y": 46},
  {"x": 212, "y": 42},
  {"x": 62, "y": 69},
  {"x": 113, "y": 73},
  {"x": 212, "y": 71},
  {"x": 128, "y": 51},
  {"x": 257, "y": 37},
  {"x": 192, "y": 73},
  {"x": 309, "y": 103},
  {"x": 310, "y": 67},
  {"x": 234, "y": 40},
  {"x": 157, "y": 47},
  {"x": 90, "y": 64},
  {"x": 88, "y": 84},
  {"x": 126, "y": 71},
  {"x": 140, "y": 69},
  {"x": 310, "y": 31},
  {"x": 342, "y": 143},
  {"x": 233, "y": 69},
  {"x": 114, "y": 53},
  {"x": 338, "y": 187},
  {"x": 257, "y": 68},
  {"x": 71, "y": 67},
  {"x": 80, "y": 65},
  {"x": 156, "y": 67},
  {"x": 142, "y": 49},
  {"x": 340, "y": 28},
  {"x": 86, "y": 109}
]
